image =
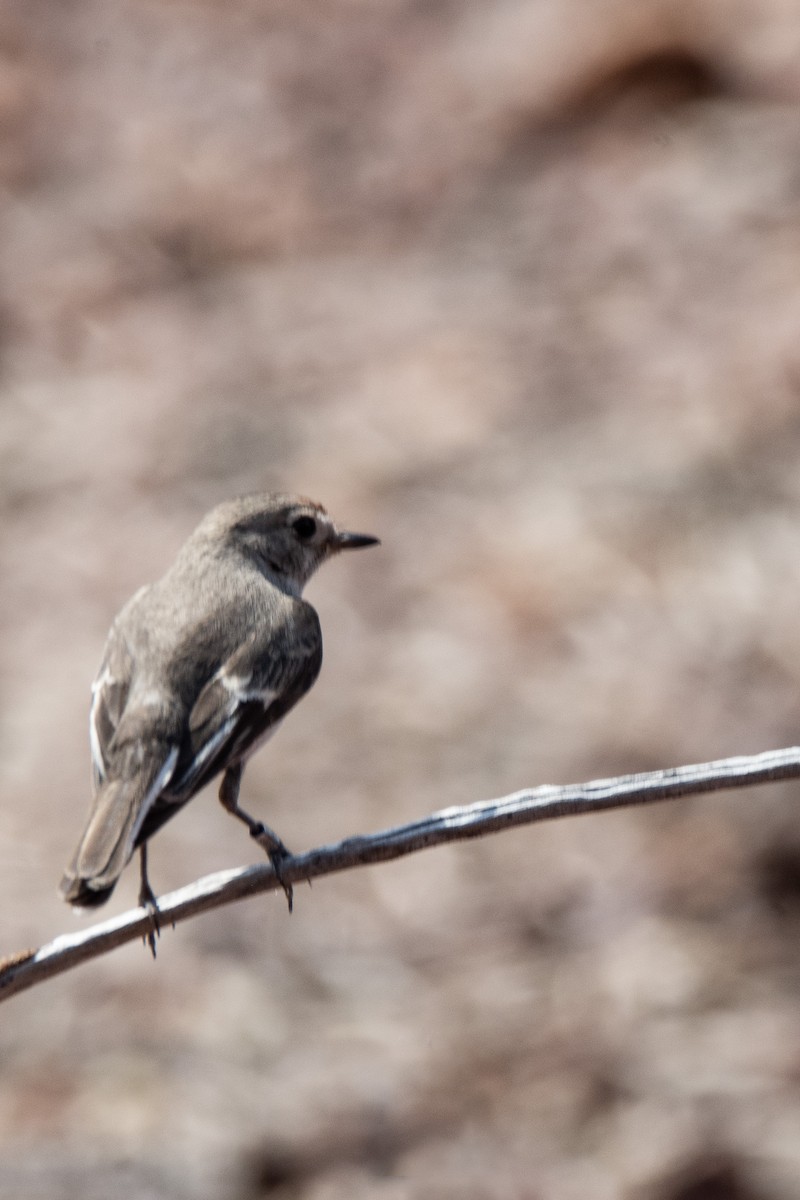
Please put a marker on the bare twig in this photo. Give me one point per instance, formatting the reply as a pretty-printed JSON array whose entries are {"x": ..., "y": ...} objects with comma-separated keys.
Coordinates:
[{"x": 21, "y": 971}]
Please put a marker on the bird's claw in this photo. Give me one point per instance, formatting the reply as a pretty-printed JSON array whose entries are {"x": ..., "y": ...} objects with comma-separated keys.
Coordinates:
[
  {"x": 154, "y": 932},
  {"x": 149, "y": 902},
  {"x": 276, "y": 852}
]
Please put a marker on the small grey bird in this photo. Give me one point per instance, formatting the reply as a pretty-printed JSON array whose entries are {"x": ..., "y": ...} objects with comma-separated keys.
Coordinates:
[{"x": 199, "y": 670}]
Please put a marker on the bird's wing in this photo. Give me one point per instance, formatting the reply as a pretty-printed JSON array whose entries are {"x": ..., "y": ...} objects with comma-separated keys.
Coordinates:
[
  {"x": 246, "y": 698},
  {"x": 134, "y": 750},
  {"x": 110, "y": 693}
]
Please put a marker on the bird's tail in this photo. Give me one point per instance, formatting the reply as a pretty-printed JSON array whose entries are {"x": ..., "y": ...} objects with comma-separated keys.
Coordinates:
[{"x": 110, "y": 835}]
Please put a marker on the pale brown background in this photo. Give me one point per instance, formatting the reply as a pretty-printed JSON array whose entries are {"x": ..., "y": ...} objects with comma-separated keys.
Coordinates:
[{"x": 516, "y": 286}]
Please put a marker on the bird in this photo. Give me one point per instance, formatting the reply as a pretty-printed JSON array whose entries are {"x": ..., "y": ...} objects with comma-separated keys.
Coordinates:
[{"x": 199, "y": 670}]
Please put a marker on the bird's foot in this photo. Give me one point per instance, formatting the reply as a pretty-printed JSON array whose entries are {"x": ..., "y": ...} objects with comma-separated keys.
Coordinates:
[
  {"x": 149, "y": 902},
  {"x": 277, "y": 852}
]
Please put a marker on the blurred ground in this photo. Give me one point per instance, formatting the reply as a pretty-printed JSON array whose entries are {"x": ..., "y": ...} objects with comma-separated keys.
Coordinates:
[{"x": 517, "y": 287}]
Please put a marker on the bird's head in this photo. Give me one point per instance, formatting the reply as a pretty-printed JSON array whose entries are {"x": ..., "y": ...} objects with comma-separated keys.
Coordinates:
[{"x": 287, "y": 536}]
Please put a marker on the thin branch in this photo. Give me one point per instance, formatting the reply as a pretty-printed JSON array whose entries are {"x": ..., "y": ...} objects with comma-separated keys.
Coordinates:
[{"x": 21, "y": 971}]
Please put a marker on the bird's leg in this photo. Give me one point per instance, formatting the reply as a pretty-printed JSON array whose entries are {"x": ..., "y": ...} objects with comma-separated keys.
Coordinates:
[
  {"x": 267, "y": 839},
  {"x": 148, "y": 901}
]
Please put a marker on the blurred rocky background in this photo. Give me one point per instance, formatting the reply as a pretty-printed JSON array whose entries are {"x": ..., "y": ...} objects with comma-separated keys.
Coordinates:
[{"x": 515, "y": 286}]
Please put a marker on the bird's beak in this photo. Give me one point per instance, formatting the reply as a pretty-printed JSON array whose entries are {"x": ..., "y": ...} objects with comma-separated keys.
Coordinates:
[{"x": 354, "y": 541}]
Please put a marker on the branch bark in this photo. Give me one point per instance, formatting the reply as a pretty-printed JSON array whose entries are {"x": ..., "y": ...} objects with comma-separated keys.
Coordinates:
[{"x": 23, "y": 970}]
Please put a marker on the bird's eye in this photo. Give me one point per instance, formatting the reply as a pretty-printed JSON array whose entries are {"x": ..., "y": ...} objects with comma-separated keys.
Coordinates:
[{"x": 305, "y": 528}]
